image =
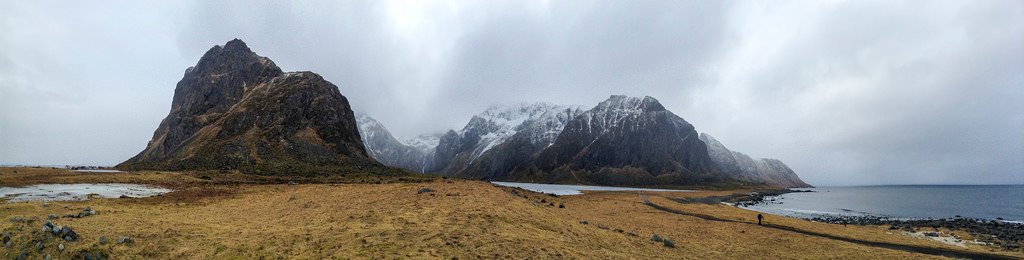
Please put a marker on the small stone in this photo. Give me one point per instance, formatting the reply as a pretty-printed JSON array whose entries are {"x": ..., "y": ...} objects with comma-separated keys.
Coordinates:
[
  {"x": 60, "y": 247},
  {"x": 48, "y": 257},
  {"x": 669, "y": 243},
  {"x": 584, "y": 222},
  {"x": 424, "y": 190},
  {"x": 40, "y": 246},
  {"x": 656, "y": 238},
  {"x": 124, "y": 240},
  {"x": 57, "y": 229},
  {"x": 52, "y": 216},
  {"x": 9, "y": 244},
  {"x": 104, "y": 240},
  {"x": 561, "y": 205},
  {"x": 69, "y": 234}
]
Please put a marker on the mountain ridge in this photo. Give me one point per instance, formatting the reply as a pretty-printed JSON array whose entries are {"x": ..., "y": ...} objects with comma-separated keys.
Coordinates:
[{"x": 498, "y": 144}]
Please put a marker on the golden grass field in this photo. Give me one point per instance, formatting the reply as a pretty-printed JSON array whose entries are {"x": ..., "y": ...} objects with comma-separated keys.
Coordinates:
[{"x": 462, "y": 219}]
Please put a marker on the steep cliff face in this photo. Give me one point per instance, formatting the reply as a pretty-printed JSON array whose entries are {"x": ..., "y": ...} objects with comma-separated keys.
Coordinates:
[
  {"x": 625, "y": 141},
  {"x": 237, "y": 110},
  {"x": 742, "y": 167}
]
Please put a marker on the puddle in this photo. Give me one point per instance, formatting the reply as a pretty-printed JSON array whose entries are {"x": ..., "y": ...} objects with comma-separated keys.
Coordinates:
[
  {"x": 79, "y": 192},
  {"x": 99, "y": 171},
  {"x": 565, "y": 189}
]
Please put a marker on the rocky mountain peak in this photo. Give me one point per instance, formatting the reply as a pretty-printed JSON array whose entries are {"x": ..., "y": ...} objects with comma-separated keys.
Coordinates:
[
  {"x": 631, "y": 104},
  {"x": 237, "y": 110},
  {"x": 235, "y": 56},
  {"x": 237, "y": 44}
]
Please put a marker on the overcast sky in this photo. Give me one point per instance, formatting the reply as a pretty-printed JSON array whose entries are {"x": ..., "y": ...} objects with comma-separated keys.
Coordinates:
[{"x": 846, "y": 93}]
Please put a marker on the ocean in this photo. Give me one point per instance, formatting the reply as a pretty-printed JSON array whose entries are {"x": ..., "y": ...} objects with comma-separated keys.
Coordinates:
[{"x": 991, "y": 202}]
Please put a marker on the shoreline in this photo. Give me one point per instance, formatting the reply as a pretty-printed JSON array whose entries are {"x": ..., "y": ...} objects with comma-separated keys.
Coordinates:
[{"x": 1008, "y": 235}]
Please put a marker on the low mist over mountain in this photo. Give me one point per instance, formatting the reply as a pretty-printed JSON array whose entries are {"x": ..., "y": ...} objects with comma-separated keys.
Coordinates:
[
  {"x": 622, "y": 141},
  {"x": 387, "y": 150},
  {"x": 236, "y": 110},
  {"x": 741, "y": 167}
]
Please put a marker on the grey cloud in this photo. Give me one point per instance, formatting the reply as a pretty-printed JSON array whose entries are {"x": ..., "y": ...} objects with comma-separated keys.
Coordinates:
[{"x": 844, "y": 92}]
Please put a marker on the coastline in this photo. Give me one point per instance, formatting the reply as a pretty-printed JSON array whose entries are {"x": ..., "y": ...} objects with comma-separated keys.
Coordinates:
[{"x": 1006, "y": 234}]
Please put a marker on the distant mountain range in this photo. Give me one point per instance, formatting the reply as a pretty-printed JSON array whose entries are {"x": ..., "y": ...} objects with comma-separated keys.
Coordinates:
[
  {"x": 621, "y": 141},
  {"x": 236, "y": 110}
]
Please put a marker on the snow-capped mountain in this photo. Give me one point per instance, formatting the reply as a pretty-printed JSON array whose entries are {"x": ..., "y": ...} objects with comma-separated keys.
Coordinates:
[
  {"x": 621, "y": 141},
  {"x": 741, "y": 167},
  {"x": 524, "y": 128},
  {"x": 624, "y": 141},
  {"x": 381, "y": 145}
]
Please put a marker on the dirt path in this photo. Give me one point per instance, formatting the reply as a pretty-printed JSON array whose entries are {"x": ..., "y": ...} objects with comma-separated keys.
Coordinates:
[{"x": 907, "y": 248}]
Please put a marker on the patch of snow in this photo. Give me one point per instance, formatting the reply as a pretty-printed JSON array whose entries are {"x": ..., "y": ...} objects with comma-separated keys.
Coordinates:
[{"x": 423, "y": 142}]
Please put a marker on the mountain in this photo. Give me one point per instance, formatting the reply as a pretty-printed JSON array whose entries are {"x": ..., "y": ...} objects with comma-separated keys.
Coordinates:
[
  {"x": 490, "y": 146},
  {"x": 741, "y": 167},
  {"x": 236, "y": 110},
  {"x": 500, "y": 139},
  {"x": 381, "y": 145},
  {"x": 625, "y": 141},
  {"x": 622, "y": 141}
]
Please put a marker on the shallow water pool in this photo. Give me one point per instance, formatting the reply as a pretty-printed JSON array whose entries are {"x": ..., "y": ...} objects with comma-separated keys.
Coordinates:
[
  {"x": 565, "y": 189},
  {"x": 99, "y": 171},
  {"x": 71, "y": 192}
]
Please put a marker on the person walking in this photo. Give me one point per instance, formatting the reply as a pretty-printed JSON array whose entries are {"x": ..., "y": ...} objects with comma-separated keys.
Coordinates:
[{"x": 759, "y": 218}]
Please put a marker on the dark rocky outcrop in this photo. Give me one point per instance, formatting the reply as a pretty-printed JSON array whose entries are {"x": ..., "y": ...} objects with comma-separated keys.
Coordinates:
[{"x": 236, "y": 110}]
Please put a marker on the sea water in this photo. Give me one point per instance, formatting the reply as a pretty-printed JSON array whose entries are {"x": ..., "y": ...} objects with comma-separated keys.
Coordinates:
[{"x": 903, "y": 202}]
